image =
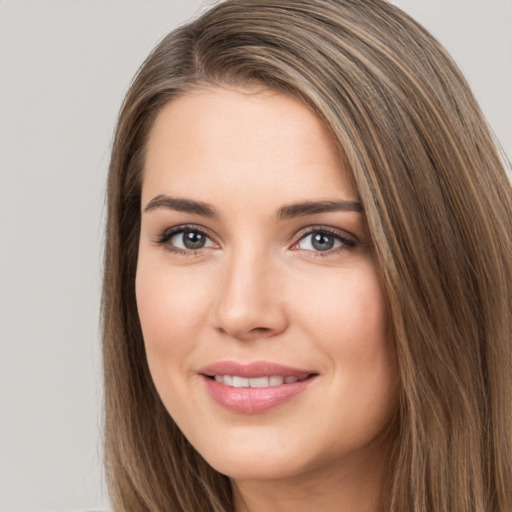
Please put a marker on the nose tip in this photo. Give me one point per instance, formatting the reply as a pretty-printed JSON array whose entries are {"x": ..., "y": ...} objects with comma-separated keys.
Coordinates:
[{"x": 249, "y": 304}]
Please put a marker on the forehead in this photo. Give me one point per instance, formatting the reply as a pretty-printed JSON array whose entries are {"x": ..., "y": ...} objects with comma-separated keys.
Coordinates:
[{"x": 242, "y": 140}]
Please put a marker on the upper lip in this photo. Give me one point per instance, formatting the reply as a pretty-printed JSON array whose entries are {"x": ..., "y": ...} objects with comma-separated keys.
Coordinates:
[{"x": 253, "y": 370}]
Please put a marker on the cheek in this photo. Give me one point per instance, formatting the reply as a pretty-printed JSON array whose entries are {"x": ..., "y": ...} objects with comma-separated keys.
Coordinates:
[
  {"x": 347, "y": 317},
  {"x": 172, "y": 310},
  {"x": 346, "y": 310}
]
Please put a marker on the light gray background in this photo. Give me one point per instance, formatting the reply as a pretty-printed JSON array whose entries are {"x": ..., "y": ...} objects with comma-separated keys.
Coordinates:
[{"x": 64, "y": 67}]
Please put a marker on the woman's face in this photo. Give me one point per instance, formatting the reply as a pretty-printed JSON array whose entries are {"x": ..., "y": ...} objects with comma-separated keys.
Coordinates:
[{"x": 259, "y": 300}]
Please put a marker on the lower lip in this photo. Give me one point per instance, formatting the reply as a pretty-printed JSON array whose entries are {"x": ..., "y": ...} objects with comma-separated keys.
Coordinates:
[{"x": 254, "y": 400}]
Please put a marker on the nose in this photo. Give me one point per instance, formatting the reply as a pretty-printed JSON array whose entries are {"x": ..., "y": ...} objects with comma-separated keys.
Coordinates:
[{"x": 250, "y": 302}]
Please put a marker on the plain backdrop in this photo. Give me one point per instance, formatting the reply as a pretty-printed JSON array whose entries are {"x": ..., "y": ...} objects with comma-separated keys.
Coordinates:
[{"x": 64, "y": 67}]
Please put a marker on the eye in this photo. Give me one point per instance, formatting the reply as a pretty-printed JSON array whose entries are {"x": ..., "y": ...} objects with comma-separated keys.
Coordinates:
[
  {"x": 183, "y": 239},
  {"x": 190, "y": 239},
  {"x": 323, "y": 240}
]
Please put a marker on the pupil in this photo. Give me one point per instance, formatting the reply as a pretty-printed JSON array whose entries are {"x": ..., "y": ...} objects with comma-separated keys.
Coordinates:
[
  {"x": 193, "y": 240},
  {"x": 323, "y": 242}
]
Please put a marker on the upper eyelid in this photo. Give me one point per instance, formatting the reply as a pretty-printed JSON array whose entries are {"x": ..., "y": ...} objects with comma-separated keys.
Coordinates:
[
  {"x": 325, "y": 229},
  {"x": 164, "y": 236},
  {"x": 187, "y": 227}
]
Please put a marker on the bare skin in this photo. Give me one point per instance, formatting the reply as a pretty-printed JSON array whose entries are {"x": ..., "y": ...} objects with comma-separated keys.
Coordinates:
[
  {"x": 348, "y": 488},
  {"x": 253, "y": 249}
]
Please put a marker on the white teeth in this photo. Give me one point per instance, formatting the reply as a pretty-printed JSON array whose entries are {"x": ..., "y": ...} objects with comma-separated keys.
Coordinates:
[
  {"x": 259, "y": 382},
  {"x": 240, "y": 382},
  {"x": 275, "y": 380},
  {"x": 256, "y": 382}
]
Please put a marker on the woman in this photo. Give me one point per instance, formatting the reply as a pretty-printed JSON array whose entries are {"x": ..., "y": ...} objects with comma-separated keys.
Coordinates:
[{"x": 307, "y": 294}]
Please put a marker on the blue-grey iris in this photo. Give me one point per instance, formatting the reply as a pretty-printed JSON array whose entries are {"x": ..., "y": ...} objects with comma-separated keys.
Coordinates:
[
  {"x": 193, "y": 239},
  {"x": 322, "y": 241}
]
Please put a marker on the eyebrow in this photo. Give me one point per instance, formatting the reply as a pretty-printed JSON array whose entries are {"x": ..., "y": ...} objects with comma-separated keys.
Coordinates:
[
  {"x": 182, "y": 205},
  {"x": 312, "y": 207},
  {"x": 285, "y": 212}
]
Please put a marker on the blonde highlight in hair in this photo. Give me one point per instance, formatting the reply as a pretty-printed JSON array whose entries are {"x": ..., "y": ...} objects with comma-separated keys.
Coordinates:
[{"x": 438, "y": 205}]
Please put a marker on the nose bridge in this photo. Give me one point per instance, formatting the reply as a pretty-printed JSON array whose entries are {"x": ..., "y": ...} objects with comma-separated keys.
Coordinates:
[{"x": 249, "y": 304}]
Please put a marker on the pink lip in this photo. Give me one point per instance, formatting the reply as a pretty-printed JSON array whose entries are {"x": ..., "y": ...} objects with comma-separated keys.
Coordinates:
[{"x": 254, "y": 400}]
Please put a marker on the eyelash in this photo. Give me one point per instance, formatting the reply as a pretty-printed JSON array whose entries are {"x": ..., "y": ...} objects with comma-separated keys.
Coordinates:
[
  {"x": 166, "y": 236},
  {"x": 346, "y": 243}
]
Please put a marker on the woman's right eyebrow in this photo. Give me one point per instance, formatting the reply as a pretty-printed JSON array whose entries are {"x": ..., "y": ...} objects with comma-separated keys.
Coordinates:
[{"x": 182, "y": 205}]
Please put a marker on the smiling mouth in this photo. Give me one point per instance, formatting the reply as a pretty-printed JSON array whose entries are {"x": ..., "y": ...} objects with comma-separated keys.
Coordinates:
[
  {"x": 253, "y": 395},
  {"x": 237, "y": 381},
  {"x": 255, "y": 387}
]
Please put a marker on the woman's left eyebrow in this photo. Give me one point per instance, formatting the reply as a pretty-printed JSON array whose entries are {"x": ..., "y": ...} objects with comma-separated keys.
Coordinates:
[{"x": 312, "y": 207}]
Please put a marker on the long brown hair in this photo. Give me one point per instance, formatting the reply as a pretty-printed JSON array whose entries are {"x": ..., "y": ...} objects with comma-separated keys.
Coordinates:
[{"x": 438, "y": 205}]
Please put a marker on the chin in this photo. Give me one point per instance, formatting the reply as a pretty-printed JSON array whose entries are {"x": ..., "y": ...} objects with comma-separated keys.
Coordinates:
[
  {"x": 266, "y": 468},
  {"x": 253, "y": 458}
]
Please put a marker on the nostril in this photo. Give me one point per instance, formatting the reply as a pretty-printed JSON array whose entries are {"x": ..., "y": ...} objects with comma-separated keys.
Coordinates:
[
  {"x": 247, "y": 334},
  {"x": 260, "y": 330}
]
